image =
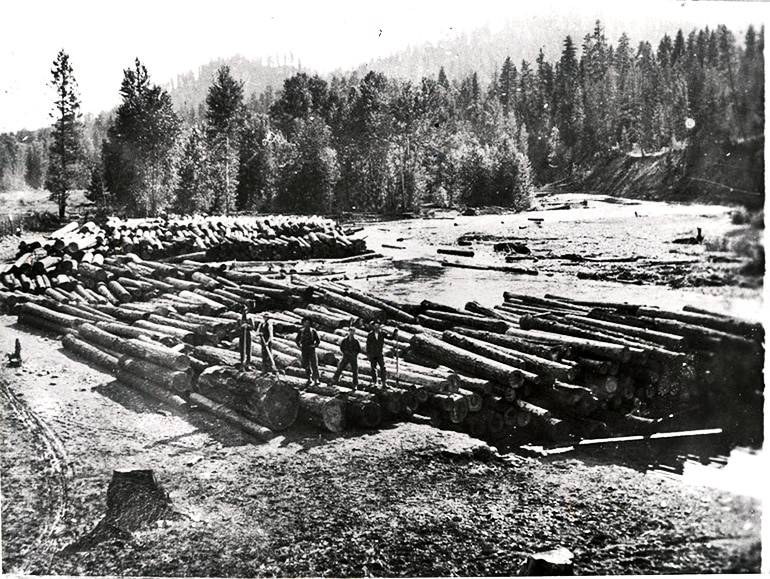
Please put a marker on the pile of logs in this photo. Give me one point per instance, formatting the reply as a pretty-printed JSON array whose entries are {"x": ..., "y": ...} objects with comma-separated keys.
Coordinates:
[
  {"x": 51, "y": 263},
  {"x": 530, "y": 368}
]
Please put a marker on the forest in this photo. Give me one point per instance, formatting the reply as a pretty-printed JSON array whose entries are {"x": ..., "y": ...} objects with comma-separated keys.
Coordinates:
[{"x": 373, "y": 143}]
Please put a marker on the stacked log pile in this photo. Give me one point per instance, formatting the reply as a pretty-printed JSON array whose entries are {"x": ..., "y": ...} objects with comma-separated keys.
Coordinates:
[
  {"x": 548, "y": 368},
  {"x": 82, "y": 249}
]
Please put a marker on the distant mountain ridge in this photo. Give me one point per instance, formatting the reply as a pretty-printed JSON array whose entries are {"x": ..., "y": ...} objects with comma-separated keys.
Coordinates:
[
  {"x": 484, "y": 51},
  {"x": 188, "y": 91},
  {"x": 481, "y": 50}
]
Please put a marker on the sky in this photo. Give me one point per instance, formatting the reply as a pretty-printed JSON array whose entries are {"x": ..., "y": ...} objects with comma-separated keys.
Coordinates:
[{"x": 172, "y": 37}]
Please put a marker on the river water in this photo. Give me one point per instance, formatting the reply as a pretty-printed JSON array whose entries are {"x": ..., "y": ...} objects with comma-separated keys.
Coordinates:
[{"x": 412, "y": 270}]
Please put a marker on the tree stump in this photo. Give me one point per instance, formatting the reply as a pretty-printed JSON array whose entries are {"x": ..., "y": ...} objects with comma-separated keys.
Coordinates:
[
  {"x": 554, "y": 562},
  {"x": 135, "y": 500}
]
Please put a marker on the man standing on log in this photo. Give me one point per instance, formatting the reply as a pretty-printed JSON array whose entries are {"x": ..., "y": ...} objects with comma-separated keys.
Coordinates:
[
  {"x": 308, "y": 340},
  {"x": 350, "y": 349},
  {"x": 245, "y": 326},
  {"x": 374, "y": 345},
  {"x": 265, "y": 333}
]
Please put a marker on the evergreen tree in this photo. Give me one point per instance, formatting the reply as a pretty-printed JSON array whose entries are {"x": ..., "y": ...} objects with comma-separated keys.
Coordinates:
[
  {"x": 193, "y": 189},
  {"x": 259, "y": 147},
  {"x": 308, "y": 179},
  {"x": 139, "y": 152},
  {"x": 65, "y": 165},
  {"x": 224, "y": 114},
  {"x": 507, "y": 84}
]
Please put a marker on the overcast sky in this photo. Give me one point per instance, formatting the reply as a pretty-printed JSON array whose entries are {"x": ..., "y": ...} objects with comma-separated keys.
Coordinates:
[{"x": 173, "y": 37}]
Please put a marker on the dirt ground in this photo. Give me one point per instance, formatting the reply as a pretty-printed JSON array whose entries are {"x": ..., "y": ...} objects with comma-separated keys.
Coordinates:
[{"x": 406, "y": 500}]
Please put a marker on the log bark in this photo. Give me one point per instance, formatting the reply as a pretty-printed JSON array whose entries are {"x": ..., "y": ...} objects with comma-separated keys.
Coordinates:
[
  {"x": 483, "y": 349},
  {"x": 556, "y": 334},
  {"x": 225, "y": 413},
  {"x": 471, "y": 321},
  {"x": 353, "y": 306},
  {"x": 90, "y": 353},
  {"x": 52, "y": 316},
  {"x": 324, "y": 410},
  {"x": 151, "y": 389},
  {"x": 155, "y": 353},
  {"x": 264, "y": 399},
  {"x": 460, "y": 359},
  {"x": 515, "y": 342},
  {"x": 664, "y": 339},
  {"x": 171, "y": 379},
  {"x": 541, "y": 366}
]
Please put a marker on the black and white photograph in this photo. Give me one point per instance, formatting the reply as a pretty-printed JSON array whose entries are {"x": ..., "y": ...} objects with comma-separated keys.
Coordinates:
[{"x": 393, "y": 289}]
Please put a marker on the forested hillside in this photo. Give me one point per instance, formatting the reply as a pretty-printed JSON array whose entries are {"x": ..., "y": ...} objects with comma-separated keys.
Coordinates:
[{"x": 381, "y": 143}]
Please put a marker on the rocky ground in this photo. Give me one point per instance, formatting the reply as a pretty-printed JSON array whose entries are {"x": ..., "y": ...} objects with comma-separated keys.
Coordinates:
[{"x": 404, "y": 501}]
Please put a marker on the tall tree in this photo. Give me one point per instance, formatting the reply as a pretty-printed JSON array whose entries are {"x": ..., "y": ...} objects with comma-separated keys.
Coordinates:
[
  {"x": 309, "y": 177},
  {"x": 224, "y": 117},
  {"x": 193, "y": 189},
  {"x": 65, "y": 166},
  {"x": 139, "y": 152}
]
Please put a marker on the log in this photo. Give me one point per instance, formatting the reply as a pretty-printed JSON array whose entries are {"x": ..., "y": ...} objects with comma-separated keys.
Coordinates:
[
  {"x": 666, "y": 340},
  {"x": 177, "y": 333},
  {"x": 323, "y": 320},
  {"x": 151, "y": 389},
  {"x": 90, "y": 353},
  {"x": 264, "y": 399},
  {"x": 554, "y": 428},
  {"x": 51, "y": 316},
  {"x": 473, "y": 398},
  {"x": 391, "y": 311},
  {"x": 175, "y": 380},
  {"x": 104, "y": 291},
  {"x": 216, "y": 356},
  {"x": 460, "y": 359},
  {"x": 455, "y": 406},
  {"x": 516, "y": 342},
  {"x": 483, "y": 387},
  {"x": 127, "y": 331},
  {"x": 470, "y": 321},
  {"x": 225, "y": 413},
  {"x": 554, "y": 334},
  {"x": 546, "y": 368},
  {"x": 361, "y": 407},
  {"x": 707, "y": 319},
  {"x": 119, "y": 291},
  {"x": 352, "y": 306},
  {"x": 452, "y": 251},
  {"x": 483, "y": 349},
  {"x": 82, "y": 311},
  {"x": 327, "y": 411},
  {"x": 506, "y": 268},
  {"x": 155, "y": 353}
]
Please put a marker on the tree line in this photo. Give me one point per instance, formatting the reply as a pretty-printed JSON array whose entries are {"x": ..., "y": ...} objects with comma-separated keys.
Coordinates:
[{"x": 382, "y": 144}]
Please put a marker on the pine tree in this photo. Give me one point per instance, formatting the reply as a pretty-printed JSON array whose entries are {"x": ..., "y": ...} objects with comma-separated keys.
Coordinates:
[
  {"x": 224, "y": 116},
  {"x": 65, "y": 166},
  {"x": 507, "y": 84}
]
